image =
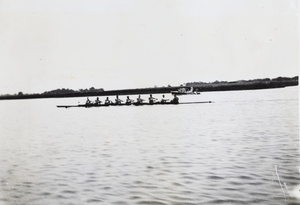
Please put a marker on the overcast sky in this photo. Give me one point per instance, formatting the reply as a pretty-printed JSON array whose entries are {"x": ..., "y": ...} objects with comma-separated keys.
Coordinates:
[{"x": 118, "y": 44}]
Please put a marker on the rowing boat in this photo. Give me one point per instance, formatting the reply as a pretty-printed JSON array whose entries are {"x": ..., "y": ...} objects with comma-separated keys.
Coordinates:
[{"x": 129, "y": 104}]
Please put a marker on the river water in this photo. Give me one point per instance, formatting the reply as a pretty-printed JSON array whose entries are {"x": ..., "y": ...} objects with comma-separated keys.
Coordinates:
[{"x": 241, "y": 149}]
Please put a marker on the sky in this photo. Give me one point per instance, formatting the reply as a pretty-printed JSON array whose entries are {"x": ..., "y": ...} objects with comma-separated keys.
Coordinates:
[{"x": 119, "y": 44}]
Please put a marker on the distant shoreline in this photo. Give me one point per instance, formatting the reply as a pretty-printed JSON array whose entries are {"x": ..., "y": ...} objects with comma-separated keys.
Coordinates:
[{"x": 256, "y": 84}]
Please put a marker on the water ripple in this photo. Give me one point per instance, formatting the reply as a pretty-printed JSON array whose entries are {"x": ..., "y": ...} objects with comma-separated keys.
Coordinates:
[
  {"x": 222, "y": 153},
  {"x": 151, "y": 203}
]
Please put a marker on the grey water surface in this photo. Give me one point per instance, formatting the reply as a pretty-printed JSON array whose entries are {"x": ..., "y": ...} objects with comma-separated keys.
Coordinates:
[{"x": 241, "y": 149}]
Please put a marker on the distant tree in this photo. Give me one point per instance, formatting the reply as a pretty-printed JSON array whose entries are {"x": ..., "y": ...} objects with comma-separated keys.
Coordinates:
[
  {"x": 278, "y": 79},
  {"x": 20, "y": 93}
]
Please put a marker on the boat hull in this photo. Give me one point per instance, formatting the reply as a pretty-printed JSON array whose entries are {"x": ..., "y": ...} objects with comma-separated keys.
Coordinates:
[{"x": 155, "y": 103}]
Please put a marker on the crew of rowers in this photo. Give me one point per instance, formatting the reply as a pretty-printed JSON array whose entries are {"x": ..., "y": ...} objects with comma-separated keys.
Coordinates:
[{"x": 129, "y": 101}]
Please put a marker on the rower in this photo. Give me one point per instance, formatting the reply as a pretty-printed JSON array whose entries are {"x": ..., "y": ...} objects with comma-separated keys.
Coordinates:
[
  {"x": 107, "y": 101},
  {"x": 88, "y": 101},
  {"x": 139, "y": 99},
  {"x": 151, "y": 99},
  {"x": 118, "y": 101},
  {"x": 97, "y": 101},
  {"x": 128, "y": 101},
  {"x": 163, "y": 100},
  {"x": 175, "y": 100}
]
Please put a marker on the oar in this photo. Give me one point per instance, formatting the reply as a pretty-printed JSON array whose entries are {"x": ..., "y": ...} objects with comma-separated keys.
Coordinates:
[{"x": 196, "y": 102}]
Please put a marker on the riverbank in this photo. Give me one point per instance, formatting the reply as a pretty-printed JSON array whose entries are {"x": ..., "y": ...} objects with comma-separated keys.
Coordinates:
[{"x": 266, "y": 83}]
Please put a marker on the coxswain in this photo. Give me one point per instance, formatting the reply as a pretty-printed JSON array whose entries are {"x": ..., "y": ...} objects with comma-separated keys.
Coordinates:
[
  {"x": 88, "y": 101},
  {"x": 175, "y": 100},
  {"x": 163, "y": 100},
  {"x": 97, "y": 101},
  {"x": 118, "y": 101},
  {"x": 151, "y": 99},
  {"x": 128, "y": 101},
  {"x": 139, "y": 99},
  {"x": 107, "y": 101}
]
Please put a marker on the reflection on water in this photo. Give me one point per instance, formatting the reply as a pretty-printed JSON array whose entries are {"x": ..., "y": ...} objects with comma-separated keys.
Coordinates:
[{"x": 243, "y": 148}]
